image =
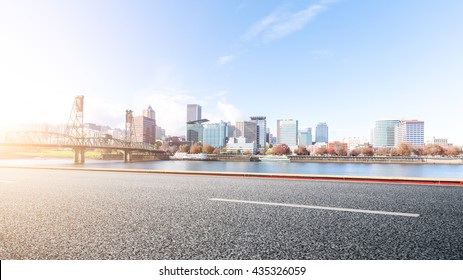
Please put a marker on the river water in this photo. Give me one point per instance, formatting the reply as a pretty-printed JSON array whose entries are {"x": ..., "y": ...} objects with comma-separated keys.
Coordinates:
[{"x": 349, "y": 169}]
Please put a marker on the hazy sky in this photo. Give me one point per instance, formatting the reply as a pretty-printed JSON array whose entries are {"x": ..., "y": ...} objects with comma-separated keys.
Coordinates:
[{"x": 346, "y": 62}]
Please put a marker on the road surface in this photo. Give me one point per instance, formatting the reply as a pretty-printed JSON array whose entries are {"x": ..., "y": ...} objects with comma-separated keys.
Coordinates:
[{"x": 60, "y": 214}]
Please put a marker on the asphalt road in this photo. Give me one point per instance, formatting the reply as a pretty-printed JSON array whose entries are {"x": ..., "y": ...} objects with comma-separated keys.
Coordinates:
[{"x": 47, "y": 214}]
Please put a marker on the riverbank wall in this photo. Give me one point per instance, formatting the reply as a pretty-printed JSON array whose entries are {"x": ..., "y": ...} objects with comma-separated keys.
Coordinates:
[
  {"x": 392, "y": 160},
  {"x": 135, "y": 157}
]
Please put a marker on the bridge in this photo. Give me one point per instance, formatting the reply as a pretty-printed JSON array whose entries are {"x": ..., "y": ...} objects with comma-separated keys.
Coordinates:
[{"x": 75, "y": 138}]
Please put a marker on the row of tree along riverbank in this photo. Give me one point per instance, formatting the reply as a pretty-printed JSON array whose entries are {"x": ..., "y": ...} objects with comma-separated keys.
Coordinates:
[
  {"x": 108, "y": 155},
  {"x": 329, "y": 159}
]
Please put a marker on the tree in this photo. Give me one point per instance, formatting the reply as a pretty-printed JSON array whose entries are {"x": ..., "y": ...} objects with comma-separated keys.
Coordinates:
[
  {"x": 321, "y": 151},
  {"x": 355, "y": 152},
  {"x": 208, "y": 149},
  {"x": 175, "y": 140},
  {"x": 184, "y": 148},
  {"x": 247, "y": 152},
  {"x": 419, "y": 151},
  {"x": 196, "y": 149},
  {"x": 382, "y": 152},
  {"x": 433, "y": 150},
  {"x": 301, "y": 151},
  {"x": 281, "y": 149},
  {"x": 368, "y": 151},
  {"x": 403, "y": 149},
  {"x": 452, "y": 151},
  {"x": 216, "y": 151},
  {"x": 340, "y": 148},
  {"x": 165, "y": 146},
  {"x": 330, "y": 151}
]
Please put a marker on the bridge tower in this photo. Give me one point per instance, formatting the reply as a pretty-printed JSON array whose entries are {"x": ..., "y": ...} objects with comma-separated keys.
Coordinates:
[
  {"x": 129, "y": 127},
  {"x": 129, "y": 134},
  {"x": 75, "y": 129}
]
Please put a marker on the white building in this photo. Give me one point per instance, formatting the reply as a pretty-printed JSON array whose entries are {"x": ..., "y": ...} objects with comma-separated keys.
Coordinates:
[
  {"x": 287, "y": 131},
  {"x": 410, "y": 132},
  {"x": 239, "y": 144},
  {"x": 443, "y": 142},
  {"x": 354, "y": 142}
]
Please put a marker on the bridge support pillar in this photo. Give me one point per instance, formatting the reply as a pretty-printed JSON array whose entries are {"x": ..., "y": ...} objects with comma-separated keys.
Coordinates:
[
  {"x": 127, "y": 156},
  {"x": 79, "y": 155}
]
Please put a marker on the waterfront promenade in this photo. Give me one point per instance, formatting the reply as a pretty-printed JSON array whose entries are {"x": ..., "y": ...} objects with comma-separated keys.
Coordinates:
[{"x": 64, "y": 214}]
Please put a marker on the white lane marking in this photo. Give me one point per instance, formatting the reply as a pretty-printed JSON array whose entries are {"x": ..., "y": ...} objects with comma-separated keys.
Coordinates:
[{"x": 319, "y": 207}]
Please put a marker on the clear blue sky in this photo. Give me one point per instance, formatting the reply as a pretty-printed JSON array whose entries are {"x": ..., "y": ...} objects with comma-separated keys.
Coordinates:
[{"x": 346, "y": 62}]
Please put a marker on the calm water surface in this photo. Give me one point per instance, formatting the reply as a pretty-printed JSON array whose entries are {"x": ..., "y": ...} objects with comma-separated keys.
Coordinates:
[{"x": 353, "y": 169}]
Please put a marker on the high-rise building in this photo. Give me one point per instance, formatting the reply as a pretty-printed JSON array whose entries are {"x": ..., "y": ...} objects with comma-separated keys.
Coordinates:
[
  {"x": 261, "y": 131},
  {"x": 321, "y": 133},
  {"x": 305, "y": 137},
  {"x": 246, "y": 129},
  {"x": 160, "y": 133},
  {"x": 149, "y": 113},
  {"x": 215, "y": 134},
  {"x": 384, "y": 133},
  {"x": 194, "y": 127},
  {"x": 287, "y": 132},
  {"x": 269, "y": 137},
  {"x": 410, "y": 132},
  {"x": 231, "y": 130},
  {"x": 193, "y": 112},
  {"x": 194, "y": 132},
  {"x": 144, "y": 127}
]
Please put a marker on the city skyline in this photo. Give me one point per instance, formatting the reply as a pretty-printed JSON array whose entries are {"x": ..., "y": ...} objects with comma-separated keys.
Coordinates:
[
  {"x": 397, "y": 133},
  {"x": 341, "y": 62}
]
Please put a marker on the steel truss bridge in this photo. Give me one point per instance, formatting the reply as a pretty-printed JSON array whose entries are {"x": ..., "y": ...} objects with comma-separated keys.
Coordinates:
[{"x": 75, "y": 139}]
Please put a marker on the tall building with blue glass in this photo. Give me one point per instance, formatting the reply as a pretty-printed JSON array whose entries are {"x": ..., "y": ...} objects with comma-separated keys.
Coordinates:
[
  {"x": 215, "y": 134},
  {"x": 384, "y": 133},
  {"x": 321, "y": 133},
  {"x": 305, "y": 137}
]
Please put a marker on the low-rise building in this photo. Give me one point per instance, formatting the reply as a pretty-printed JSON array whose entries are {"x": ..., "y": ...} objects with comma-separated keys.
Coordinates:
[
  {"x": 443, "y": 142},
  {"x": 355, "y": 142},
  {"x": 239, "y": 144}
]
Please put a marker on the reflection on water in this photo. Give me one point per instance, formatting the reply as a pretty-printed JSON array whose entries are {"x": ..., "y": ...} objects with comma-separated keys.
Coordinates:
[{"x": 353, "y": 169}]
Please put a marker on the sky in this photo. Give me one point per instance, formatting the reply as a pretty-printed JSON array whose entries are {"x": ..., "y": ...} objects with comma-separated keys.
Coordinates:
[{"x": 347, "y": 63}]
